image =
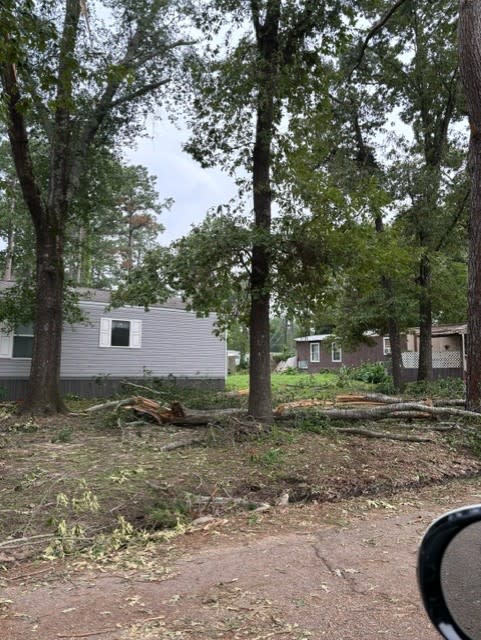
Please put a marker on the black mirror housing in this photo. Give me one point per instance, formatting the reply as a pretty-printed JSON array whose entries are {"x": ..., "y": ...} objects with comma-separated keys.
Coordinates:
[{"x": 437, "y": 538}]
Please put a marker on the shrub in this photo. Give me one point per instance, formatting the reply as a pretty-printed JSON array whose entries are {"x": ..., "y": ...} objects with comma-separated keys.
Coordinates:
[
  {"x": 371, "y": 372},
  {"x": 281, "y": 356},
  {"x": 442, "y": 388}
]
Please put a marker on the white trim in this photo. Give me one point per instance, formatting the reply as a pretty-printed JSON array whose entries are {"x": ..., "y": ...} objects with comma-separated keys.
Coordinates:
[
  {"x": 335, "y": 346},
  {"x": 6, "y": 344},
  {"x": 135, "y": 333},
  {"x": 386, "y": 350},
  {"x": 311, "y": 358},
  {"x": 105, "y": 332},
  {"x": 94, "y": 303}
]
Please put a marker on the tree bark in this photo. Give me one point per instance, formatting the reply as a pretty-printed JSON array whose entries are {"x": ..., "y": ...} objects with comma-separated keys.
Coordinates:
[
  {"x": 470, "y": 68},
  {"x": 267, "y": 36},
  {"x": 69, "y": 143},
  {"x": 425, "y": 367},
  {"x": 43, "y": 390},
  {"x": 394, "y": 330}
]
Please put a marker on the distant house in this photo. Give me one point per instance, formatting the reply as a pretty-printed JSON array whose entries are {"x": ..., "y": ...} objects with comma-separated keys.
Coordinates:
[
  {"x": 167, "y": 343},
  {"x": 320, "y": 352},
  {"x": 449, "y": 351}
]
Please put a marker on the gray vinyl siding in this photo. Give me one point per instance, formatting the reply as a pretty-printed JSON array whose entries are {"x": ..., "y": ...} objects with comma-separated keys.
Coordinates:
[{"x": 174, "y": 343}]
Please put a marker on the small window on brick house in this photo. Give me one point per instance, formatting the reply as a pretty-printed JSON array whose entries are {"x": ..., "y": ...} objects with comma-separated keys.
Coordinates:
[
  {"x": 336, "y": 352},
  {"x": 315, "y": 352}
]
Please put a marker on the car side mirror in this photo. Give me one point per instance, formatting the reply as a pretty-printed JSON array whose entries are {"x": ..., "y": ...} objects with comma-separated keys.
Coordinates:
[{"x": 449, "y": 573}]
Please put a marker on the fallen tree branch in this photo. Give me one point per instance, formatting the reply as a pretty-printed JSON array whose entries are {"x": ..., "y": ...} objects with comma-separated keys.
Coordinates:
[
  {"x": 439, "y": 402},
  {"x": 110, "y": 404},
  {"x": 171, "y": 446},
  {"x": 126, "y": 383},
  {"x": 376, "y": 413},
  {"x": 381, "y": 397},
  {"x": 381, "y": 434},
  {"x": 88, "y": 634},
  {"x": 225, "y": 501},
  {"x": 459, "y": 402},
  {"x": 20, "y": 542},
  {"x": 431, "y": 427}
]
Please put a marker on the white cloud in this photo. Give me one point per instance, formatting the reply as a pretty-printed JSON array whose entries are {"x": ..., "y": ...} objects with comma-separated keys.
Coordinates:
[{"x": 193, "y": 189}]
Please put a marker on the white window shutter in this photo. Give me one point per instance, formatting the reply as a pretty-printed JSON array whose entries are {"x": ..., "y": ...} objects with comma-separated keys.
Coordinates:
[
  {"x": 136, "y": 334},
  {"x": 105, "y": 331},
  {"x": 6, "y": 344}
]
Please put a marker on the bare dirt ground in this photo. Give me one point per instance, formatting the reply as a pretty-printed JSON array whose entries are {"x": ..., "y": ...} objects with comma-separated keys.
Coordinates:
[
  {"x": 165, "y": 543},
  {"x": 342, "y": 571}
]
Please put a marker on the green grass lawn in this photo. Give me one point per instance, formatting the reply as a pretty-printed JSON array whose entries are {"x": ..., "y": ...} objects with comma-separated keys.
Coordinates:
[
  {"x": 281, "y": 381},
  {"x": 297, "y": 385}
]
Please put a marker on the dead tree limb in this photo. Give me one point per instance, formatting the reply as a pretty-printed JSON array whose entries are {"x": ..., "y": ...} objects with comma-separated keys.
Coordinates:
[
  {"x": 171, "y": 446},
  {"x": 110, "y": 404},
  {"x": 225, "y": 501},
  {"x": 386, "y": 435},
  {"x": 381, "y": 397},
  {"x": 459, "y": 402},
  {"x": 383, "y": 411},
  {"x": 126, "y": 383},
  {"x": 440, "y": 402}
]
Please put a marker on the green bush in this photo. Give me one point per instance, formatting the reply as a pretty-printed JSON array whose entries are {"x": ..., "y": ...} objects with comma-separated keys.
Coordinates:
[
  {"x": 371, "y": 372},
  {"x": 281, "y": 356},
  {"x": 442, "y": 388}
]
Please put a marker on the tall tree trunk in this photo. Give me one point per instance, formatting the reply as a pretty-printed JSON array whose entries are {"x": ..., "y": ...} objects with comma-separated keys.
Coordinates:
[
  {"x": 425, "y": 367},
  {"x": 267, "y": 35},
  {"x": 43, "y": 392},
  {"x": 392, "y": 322},
  {"x": 470, "y": 67},
  {"x": 396, "y": 354}
]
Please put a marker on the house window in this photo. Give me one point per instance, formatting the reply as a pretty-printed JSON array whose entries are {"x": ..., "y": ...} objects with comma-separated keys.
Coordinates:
[
  {"x": 120, "y": 333},
  {"x": 386, "y": 346},
  {"x": 315, "y": 352},
  {"x": 23, "y": 341},
  {"x": 336, "y": 352},
  {"x": 303, "y": 364}
]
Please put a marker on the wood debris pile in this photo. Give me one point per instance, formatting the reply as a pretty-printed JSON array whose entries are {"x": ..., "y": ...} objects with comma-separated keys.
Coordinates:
[{"x": 147, "y": 407}]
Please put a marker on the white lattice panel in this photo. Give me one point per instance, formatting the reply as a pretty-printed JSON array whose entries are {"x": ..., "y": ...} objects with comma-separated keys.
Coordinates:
[
  {"x": 446, "y": 359},
  {"x": 410, "y": 359},
  {"x": 441, "y": 359}
]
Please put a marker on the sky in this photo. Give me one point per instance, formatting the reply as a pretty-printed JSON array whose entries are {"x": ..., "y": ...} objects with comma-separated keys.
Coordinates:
[{"x": 193, "y": 189}]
